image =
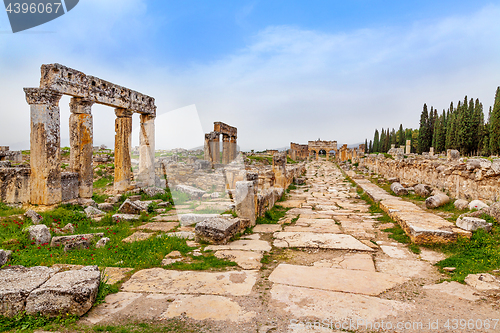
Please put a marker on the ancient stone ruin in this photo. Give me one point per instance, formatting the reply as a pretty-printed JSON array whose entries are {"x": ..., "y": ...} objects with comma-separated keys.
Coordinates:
[
  {"x": 47, "y": 185},
  {"x": 229, "y": 145},
  {"x": 314, "y": 148}
]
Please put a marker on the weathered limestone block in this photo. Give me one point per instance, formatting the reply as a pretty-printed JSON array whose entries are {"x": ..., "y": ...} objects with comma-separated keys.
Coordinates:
[
  {"x": 4, "y": 257},
  {"x": 473, "y": 223},
  {"x": 134, "y": 207},
  {"x": 152, "y": 191},
  {"x": 45, "y": 157},
  {"x": 477, "y": 204},
  {"x": 15, "y": 185},
  {"x": 92, "y": 212},
  {"x": 102, "y": 242},
  {"x": 483, "y": 281},
  {"x": 77, "y": 245},
  {"x": 63, "y": 240},
  {"x": 437, "y": 200},
  {"x": 217, "y": 230},
  {"x": 34, "y": 216},
  {"x": 244, "y": 198},
  {"x": 71, "y": 292},
  {"x": 398, "y": 189},
  {"x": 493, "y": 211},
  {"x": 193, "y": 192},
  {"x": 106, "y": 207},
  {"x": 40, "y": 234},
  {"x": 422, "y": 190},
  {"x": 16, "y": 283},
  {"x": 191, "y": 219},
  {"x": 453, "y": 154},
  {"x": 461, "y": 204},
  {"x": 69, "y": 186},
  {"x": 125, "y": 217}
]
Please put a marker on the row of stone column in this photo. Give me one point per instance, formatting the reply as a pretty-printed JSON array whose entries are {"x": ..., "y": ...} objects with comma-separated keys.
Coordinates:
[
  {"x": 45, "y": 144},
  {"x": 212, "y": 148}
]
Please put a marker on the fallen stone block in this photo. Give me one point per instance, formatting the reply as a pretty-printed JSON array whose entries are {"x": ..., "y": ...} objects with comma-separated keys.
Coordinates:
[
  {"x": 461, "y": 204},
  {"x": 106, "y": 207},
  {"x": 398, "y": 189},
  {"x": 152, "y": 191},
  {"x": 92, "y": 212},
  {"x": 4, "y": 257},
  {"x": 39, "y": 233},
  {"x": 102, "y": 242},
  {"x": 393, "y": 180},
  {"x": 477, "y": 204},
  {"x": 125, "y": 217},
  {"x": 217, "y": 230},
  {"x": 71, "y": 292},
  {"x": 437, "y": 200},
  {"x": 134, "y": 207},
  {"x": 34, "y": 216},
  {"x": 191, "y": 219},
  {"x": 63, "y": 240},
  {"x": 77, "y": 245},
  {"x": 422, "y": 190},
  {"x": 16, "y": 283},
  {"x": 193, "y": 192},
  {"x": 483, "y": 281},
  {"x": 473, "y": 223},
  {"x": 493, "y": 211}
]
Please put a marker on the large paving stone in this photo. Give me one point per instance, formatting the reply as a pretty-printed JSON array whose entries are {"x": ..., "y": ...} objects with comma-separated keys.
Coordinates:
[
  {"x": 71, "y": 292},
  {"x": 343, "y": 280},
  {"x": 210, "y": 307},
  {"x": 115, "y": 274},
  {"x": 158, "y": 226},
  {"x": 243, "y": 244},
  {"x": 267, "y": 228},
  {"x": 402, "y": 267},
  {"x": 192, "y": 219},
  {"x": 159, "y": 280},
  {"x": 244, "y": 259},
  {"x": 455, "y": 289},
  {"x": 395, "y": 252},
  {"x": 336, "y": 306},
  {"x": 318, "y": 240},
  {"x": 137, "y": 237},
  {"x": 355, "y": 261},
  {"x": 217, "y": 230},
  {"x": 16, "y": 283}
]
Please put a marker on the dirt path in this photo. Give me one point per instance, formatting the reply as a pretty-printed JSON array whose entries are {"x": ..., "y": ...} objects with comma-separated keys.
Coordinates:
[{"x": 333, "y": 267}]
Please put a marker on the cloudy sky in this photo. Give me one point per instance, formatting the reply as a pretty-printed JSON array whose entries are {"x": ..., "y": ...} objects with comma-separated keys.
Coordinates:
[{"x": 278, "y": 70}]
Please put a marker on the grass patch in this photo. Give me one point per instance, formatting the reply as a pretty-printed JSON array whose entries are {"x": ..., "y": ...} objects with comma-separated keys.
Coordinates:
[
  {"x": 103, "y": 182},
  {"x": 273, "y": 215},
  {"x": 398, "y": 234},
  {"x": 291, "y": 188},
  {"x": 414, "y": 248},
  {"x": 7, "y": 210},
  {"x": 202, "y": 263},
  {"x": 99, "y": 198},
  {"x": 23, "y": 322},
  {"x": 479, "y": 254},
  {"x": 269, "y": 159}
]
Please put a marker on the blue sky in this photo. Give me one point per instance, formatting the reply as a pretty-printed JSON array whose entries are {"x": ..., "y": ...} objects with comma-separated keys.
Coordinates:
[{"x": 280, "y": 71}]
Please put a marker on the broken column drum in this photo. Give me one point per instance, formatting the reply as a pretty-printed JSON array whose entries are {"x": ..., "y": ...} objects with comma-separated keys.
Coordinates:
[{"x": 86, "y": 90}]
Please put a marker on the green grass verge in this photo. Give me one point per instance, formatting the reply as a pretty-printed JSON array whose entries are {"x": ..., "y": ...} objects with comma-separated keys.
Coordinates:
[
  {"x": 273, "y": 215},
  {"x": 7, "y": 211}
]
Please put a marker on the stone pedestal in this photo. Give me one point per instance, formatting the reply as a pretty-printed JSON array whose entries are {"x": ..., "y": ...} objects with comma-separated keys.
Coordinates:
[
  {"x": 226, "y": 149},
  {"x": 123, "y": 165},
  {"x": 45, "y": 157},
  {"x": 244, "y": 197},
  {"x": 81, "y": 142},
  {"x": 147, "y": 150}
]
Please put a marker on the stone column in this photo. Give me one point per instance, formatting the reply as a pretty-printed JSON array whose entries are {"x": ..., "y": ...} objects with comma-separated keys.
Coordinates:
[
  {"x": 123, "y": 165},
  {"x": 233, "y": 148},
  {"x": 215, "y": 148},
  {"x": 147, "y": 150},
  {"x": 45, "y": 142},
  {"x": 408, "y": 147},
  {"x": 226, "y": 149},
  {"x": 81, "y": 142},
  {"x": 206, "y": 148},
  {"x": 327, "y": 156},
  {"x": 431, "y": 151}
]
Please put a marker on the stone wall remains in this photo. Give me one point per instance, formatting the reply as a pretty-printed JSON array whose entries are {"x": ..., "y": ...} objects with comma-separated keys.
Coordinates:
[
  {"x": 476, "y": 178},
  {"x": 15, "y": 185}
]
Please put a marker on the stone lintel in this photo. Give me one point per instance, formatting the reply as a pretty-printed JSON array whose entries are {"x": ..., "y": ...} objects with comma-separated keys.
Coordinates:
[
  {"x": 68, "y": 81},
  {"x": 225, "y": 128}
]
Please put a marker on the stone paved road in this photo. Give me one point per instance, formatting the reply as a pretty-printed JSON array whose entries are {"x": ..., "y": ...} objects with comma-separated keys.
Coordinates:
[{"x": 334, "y": 265}]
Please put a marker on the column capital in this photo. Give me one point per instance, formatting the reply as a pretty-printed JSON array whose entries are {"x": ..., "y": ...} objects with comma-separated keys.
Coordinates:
[
  {"x": 123, "y": 113},
  {"x": 147, "y": 116},
  {"x": 42, "y": 96},
  {"x": 225, "y": 137},
  {"x": 233, "y": 138},
  {"x": 80, "y": 105}
]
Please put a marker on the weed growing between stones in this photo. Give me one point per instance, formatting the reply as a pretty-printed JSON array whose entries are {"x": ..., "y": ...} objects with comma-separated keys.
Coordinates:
[
  {"x": 8, "y": 211},
  {"x": 23, "y": 322},
  {"x": 398, "y": 234},
  {"x": 273, "y": 215}
]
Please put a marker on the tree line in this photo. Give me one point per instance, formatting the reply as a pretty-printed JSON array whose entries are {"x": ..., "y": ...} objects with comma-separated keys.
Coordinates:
[{"x": 463, "y": 128}]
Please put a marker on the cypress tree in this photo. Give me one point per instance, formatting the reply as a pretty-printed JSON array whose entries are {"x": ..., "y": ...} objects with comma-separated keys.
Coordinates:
[
  {"x": 366, "y": 145},
  {"x": 495, "y": 125},
  {"x": 478, "y": 126},
  {"x": 423, "y": 132},
  {"x": 387, "y": 141},
  {"x": 401, "y": 136},
  {"x": 370, "y": 149},
  {"x": 376, "y": 142}
]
